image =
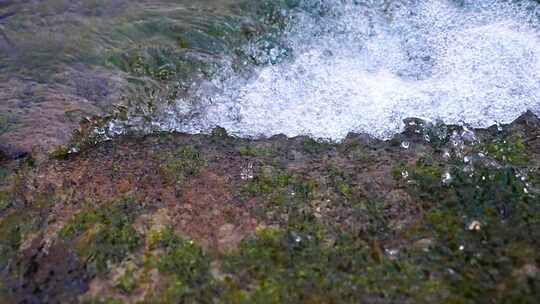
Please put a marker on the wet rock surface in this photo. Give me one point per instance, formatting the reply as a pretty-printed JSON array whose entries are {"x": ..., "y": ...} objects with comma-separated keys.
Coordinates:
[
  {"x": 65, "y": 62},
  {"x": 212, "y": 218}
]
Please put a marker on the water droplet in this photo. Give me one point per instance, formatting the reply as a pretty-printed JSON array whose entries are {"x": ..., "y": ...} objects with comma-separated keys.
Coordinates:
[
  {"x": 468, "y": 134},
  {"x": 405, "y": 145},
  {"x": 296, "y": 238},
  {"x": 475, "y": 226},
  {"x": 247, "y": 172},
  {"x": 404, "y": 174},
  {"x": 446, "y": 155},
  {"x": 392, "y": 252},
  {"x": 499, "y": 127},
  {"x": 446, "y": 178}
]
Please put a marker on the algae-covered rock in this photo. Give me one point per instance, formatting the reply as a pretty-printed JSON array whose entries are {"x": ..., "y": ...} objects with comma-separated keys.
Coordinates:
[{"x": 177, "y": 218}]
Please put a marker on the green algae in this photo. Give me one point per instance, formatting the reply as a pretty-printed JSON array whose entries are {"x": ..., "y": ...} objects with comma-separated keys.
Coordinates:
[
  {"x": 159, "y": 63},
  {"x": 3, "y": 124},
  {"x": 280, "y": 188},
  {"x": 103, "y": 235},
  {"x": 480, "y": 222},
  {"x": 482, "y": 225},
  {"x": 510, "y": 149},
  {"x": 255, "y": 151},
  {"x": 302, "y": 264},
  {"x": 473, "y": 233},
  {"x": 268, "y": 180},
  {"x": 60, "y": 153},
  {"x": 128, "y": 282},
  {"x": 186, "y": 268},
  {"x": 341, "y": 182},
  {"x": 5, "y": 201},
  {"x": 13, "y": 229},
  {"x": 180, "y": 166},
  {"x": 313, "y": 146}
]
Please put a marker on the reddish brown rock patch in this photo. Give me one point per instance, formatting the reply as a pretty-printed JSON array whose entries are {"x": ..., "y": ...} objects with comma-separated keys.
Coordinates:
[{"x": 208, "y": 213}]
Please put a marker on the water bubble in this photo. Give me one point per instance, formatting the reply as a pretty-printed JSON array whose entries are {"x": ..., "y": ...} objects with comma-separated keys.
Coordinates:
[
  {"x": 247, "y": 172},
  {"x": 468, "y": 134},
  {"x": 297, "y": 238},
  {"x": 474, "y": 226},
  {"x": 446, "y": 155},
  {"x": 446, "y": 178},
  {"x": 404, "y": 174},
  {"x": 499, "y": 127},
  {"x": 392, "y": 252}
]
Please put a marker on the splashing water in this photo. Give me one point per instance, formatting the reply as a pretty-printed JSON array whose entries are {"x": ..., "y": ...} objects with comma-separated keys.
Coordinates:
[{"x": 364, "y": 66}]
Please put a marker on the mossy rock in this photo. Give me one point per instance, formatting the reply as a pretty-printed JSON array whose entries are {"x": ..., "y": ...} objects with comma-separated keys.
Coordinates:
[{"x": 103, "y": 235}]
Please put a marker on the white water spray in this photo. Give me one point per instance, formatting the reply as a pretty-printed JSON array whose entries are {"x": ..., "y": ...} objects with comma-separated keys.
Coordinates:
[{"x": 364, "y": 66}]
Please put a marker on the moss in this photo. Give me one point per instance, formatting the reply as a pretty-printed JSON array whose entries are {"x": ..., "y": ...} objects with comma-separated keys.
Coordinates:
[
  {"x": 300, "y": 264},
  {"x": 427, "y": 177},
  {"x": 254, "y": 151},
  {"x": 185, "y": 163},
  {"x": 5, "y": 200},
  {"x": 160, "y": 63},
  {"x": 508, "y": 149},
  {"x": 305, "y": 189},
  {"x": 374, "y": 215},
  {"x": 313, "y": 146},
  {"x": 307, "y": 262},
  {"x": 268, "y": 181},
  {"x": 186, "y": 267},
  {"x": 399, "y": 170},
  {"x": 60, "y": 153},
  {"x": 13, "y": 229},
  {"x": 128, "y": 282},
  {"x": 103, "y": 235},
  {"x": 341, "y": 182},
  {"x": 483, "y": 257},
  {"x": 219, "y": 133},
  {"x": 3, "y": 124}
]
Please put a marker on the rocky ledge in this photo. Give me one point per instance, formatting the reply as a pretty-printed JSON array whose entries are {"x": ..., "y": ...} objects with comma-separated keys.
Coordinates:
[{"x": 437, "y": 214}]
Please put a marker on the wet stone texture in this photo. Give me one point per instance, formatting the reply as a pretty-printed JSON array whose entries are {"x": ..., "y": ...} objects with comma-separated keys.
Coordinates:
[
  {"x": 437, "y": 214},
  {"x": 63, "y": 62}
]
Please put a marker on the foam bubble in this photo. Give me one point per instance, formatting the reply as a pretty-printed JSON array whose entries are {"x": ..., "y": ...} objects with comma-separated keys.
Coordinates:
[{"x": 364, "y": 66}]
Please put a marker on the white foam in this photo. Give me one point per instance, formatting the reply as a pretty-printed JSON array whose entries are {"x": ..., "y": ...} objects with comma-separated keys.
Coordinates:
[{"x": 366, "y": 65}]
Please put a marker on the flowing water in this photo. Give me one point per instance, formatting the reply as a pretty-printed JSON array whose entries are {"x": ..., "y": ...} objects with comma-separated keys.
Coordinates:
[
  {"x": 364, "y": 66},
  {"x": 322, "y": 68}
]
